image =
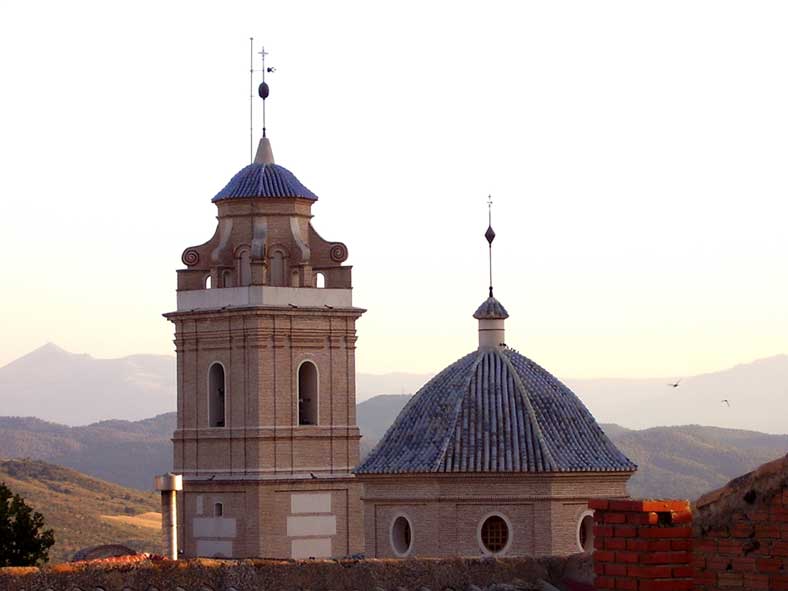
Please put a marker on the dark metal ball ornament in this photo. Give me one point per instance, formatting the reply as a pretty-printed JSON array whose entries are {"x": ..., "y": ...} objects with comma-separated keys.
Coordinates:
[{"x": 263, "y": 90}]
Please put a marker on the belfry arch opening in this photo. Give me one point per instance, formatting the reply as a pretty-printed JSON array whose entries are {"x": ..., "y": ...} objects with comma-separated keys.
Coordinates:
[
  {"x": 307, "y": 393},
  {"x": 216, "y": 395}
]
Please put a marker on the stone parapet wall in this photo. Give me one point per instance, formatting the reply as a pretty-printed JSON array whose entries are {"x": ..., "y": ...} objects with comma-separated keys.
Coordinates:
[{"x": 511, "y": 574}]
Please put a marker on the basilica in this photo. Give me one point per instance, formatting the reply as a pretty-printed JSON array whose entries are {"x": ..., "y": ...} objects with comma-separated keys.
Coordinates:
[{"x": 494, "y": 456}]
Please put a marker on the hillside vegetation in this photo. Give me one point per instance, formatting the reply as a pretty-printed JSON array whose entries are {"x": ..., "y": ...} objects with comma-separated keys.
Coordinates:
[
  {"x": 129, "y": 453},
  {"x": 84, "y": 511}
]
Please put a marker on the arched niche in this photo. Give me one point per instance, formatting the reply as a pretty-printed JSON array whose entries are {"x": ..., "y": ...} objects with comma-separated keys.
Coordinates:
[
  {"x": 243, "y": 266},
  {"x": 307, "y": 393},
  {"x": 277, "y": 275}
]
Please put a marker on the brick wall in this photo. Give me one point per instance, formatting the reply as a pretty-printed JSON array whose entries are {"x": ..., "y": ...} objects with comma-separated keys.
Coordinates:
[
  {"x": 741, "y": 533},
  {"x": 642, "y": 545},
  {"x": 736, "y": 538}
]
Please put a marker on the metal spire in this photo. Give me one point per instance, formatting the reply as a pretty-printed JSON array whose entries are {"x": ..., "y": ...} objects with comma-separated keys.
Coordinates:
[
  {"x": 263, "y": 89},
  {"x": 490, "y": 236}
]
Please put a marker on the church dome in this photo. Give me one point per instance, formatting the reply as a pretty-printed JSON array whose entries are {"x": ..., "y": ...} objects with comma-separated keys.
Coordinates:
[
  {"x": 495, "y": 410},
  {"x": 264, "y": 180}
]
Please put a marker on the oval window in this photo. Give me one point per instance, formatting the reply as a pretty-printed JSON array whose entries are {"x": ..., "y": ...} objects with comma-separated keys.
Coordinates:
[
  {"x": 401, "y": 536},
  {"x": 495, "y": 534},
  {"x": 585, "y": 533}
]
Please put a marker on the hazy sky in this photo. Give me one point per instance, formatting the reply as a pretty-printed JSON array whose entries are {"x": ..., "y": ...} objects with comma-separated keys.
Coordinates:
[{"x": 636, "y": 153}]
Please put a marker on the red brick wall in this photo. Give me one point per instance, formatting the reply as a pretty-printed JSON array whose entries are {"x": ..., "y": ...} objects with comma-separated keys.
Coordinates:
[
  {"x": 642, "y": 545},
  {"x": 745, "y": 547}
]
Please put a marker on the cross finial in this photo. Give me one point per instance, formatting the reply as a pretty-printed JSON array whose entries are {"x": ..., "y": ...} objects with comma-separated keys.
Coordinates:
[
  {"x": 263, "y": 89},
  {"x": 490, "y": 236}
]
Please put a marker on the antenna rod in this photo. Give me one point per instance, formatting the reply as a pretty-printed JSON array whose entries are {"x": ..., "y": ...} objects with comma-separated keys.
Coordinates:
[{"x": 251, "y": 98}]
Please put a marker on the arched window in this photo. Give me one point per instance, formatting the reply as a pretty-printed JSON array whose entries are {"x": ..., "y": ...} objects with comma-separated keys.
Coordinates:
[
  {"x": 277, "y": 274},
  {"x": 244, "y": 268},
  {"x": 307, "y": 394},
  {"x": 320, "y": 280},
  {"x": 494, "y": 534},
  {"x": 585, "y": 532},
  {"x": 208, "y": 281},
  {"x": 216, "y": 394},
  {"x": 401, "y": 536},
  {"x": 218, "y": 509}
]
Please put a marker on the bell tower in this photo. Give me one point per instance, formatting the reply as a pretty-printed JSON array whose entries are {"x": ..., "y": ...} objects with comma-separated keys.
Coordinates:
[{"x": 265, "y": 339}]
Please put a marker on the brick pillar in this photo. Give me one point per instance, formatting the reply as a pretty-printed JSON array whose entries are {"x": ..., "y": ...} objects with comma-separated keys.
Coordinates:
[{"x": 642, "y": 545}]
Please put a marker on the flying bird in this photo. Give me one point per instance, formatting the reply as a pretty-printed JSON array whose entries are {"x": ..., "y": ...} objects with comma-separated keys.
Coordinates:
[
  {"x": 675, "y": 384},
  {"x": 725, "y": 401}
]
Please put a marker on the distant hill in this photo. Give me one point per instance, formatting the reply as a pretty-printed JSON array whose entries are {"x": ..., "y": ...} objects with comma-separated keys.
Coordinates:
[
  {"x": 129, "y": 453},
  {"x": 55, "y": 385},
  {"x": 757, "y": 393},
  {"x": 685, "y": 462},
  {"x": 84, "y": 511}
]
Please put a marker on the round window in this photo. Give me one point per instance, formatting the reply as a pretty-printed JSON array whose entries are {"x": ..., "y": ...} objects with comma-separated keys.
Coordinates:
[
  {"x": 585, "y": 533},
  {"x": 495, "y": 534},
  {"x": 401, "y": 535}
]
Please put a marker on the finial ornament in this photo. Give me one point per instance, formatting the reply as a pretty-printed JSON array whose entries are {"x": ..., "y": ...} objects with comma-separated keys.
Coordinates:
[
  {"x": 490, "y": 236},
  {"x": 263, "y": 91}
]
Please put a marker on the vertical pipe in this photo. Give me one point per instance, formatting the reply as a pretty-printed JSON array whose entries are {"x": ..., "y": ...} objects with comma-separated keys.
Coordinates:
[
  {"x": 169, "y": 529},
  {"x": 169, "y": 484}
]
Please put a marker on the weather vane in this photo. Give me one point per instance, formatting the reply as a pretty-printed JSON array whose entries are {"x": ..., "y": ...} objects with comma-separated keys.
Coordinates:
[
  {"x": 262, "y": 91},
  {"x": 490, "y": 236}
]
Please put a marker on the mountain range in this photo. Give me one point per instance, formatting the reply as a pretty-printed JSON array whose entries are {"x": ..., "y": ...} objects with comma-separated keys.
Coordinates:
[
  {"x": 77, "y": 389},
  {"x": 676, "y": 461}
]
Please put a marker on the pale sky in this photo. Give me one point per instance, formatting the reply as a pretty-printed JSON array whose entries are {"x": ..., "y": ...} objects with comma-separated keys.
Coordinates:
[{"x": 636, "y": 154}]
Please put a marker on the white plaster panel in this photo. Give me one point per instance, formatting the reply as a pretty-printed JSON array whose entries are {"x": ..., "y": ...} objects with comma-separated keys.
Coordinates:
[
  {"x": 263, "y": 295},
  {"x": 311, "y": 548},
  {"x": 213, "y": 527},
  {"x": 311, "y": 525},
  {"x": 310, "y": 503},
  {"x": 215, "y": 548}
]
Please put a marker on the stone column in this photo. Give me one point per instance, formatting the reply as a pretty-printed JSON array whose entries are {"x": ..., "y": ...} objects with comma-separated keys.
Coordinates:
[{"x": 169, "y": 484}]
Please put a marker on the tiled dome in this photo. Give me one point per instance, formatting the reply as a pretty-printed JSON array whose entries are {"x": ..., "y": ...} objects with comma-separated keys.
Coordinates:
[
  {"x": 264, "y": 180},
  {"x": 495, "y": 410}
]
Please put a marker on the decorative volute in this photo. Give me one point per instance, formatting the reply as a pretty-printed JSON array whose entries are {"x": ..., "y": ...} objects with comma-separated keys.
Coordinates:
[{"x": 265, "y": 236}]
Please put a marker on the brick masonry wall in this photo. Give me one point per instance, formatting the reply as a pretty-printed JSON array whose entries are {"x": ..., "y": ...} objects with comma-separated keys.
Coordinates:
[
  {"x": 741, "y": 533},
  {"x": 519, "y": 574},
  {"x": 642, "y": 545}
]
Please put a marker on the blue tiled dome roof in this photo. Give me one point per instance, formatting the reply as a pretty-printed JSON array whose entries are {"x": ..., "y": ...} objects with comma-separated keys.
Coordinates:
[
  {"x": 264, "y": 180},
  {"x": 495, "y": 411},
  {"x": 491, "y": 309}
]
